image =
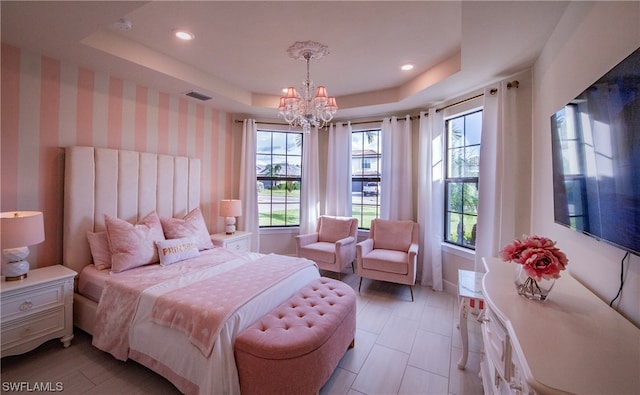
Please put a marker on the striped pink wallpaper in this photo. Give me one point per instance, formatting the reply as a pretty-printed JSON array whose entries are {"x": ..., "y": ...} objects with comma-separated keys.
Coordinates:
[{"x": 48, "y": 104}]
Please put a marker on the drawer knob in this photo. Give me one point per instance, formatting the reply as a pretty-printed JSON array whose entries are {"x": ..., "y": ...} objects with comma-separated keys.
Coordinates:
[{"x": 26, "y": 305}]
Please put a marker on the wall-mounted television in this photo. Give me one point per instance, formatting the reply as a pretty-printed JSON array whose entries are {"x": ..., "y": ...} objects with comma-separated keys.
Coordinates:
[{"x": 596, "y": 158}]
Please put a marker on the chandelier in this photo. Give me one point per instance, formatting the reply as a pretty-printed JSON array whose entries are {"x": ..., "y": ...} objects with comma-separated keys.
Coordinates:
[{"x": 300, "y": 108}]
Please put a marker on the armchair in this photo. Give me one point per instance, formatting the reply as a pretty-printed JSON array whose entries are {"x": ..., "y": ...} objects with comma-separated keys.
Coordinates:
[
  {"x": 390, "y": 253},
  {"x": 333, "y": 245}
]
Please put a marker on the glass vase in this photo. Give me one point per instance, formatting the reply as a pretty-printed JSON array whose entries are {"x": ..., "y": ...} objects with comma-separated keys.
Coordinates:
[{"x": 531, "y": 288}]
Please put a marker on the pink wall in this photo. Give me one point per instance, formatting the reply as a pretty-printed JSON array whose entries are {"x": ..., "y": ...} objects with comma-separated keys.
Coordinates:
[{"x": 48, "y": 104}]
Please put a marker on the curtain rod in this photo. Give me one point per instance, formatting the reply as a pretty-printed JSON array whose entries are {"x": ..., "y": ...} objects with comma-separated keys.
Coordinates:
[{"x": 510, "y": 84}]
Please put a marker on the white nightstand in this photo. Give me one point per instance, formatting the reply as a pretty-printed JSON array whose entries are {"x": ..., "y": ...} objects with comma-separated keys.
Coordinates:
[
  {"x": 240, "y": 241},
  {"x": 36, "y": 309}
]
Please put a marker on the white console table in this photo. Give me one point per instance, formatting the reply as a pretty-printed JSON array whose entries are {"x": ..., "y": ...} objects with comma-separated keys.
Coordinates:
[{"x": 571, "y": 343}]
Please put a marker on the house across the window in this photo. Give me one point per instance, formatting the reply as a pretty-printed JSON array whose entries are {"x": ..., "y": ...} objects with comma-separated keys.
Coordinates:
[
  {"x": 279, "y": 177},
  {"x": 461, "y": 178}
]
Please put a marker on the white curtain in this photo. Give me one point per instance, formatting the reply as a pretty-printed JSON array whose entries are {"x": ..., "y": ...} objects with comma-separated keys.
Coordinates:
[
  {"x": 430, "y": 197},
  {"x": 338, "y": 188},
  {"x": 396, "y": 185},
  {"x": 310, "y": 193},
  {"x": 503, "y": 189},
  {"x": 249, "y": 221}
]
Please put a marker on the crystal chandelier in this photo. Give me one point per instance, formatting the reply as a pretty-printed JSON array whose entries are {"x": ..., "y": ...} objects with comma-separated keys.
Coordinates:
[{"x": 301, "y": 108}]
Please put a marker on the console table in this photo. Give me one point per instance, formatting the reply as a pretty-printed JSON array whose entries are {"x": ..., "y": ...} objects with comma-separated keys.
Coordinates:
[{"x": 571, "y": 343}]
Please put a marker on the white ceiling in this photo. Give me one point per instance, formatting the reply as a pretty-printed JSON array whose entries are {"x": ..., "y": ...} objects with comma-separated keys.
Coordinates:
[{"x": 239, "y": 53}]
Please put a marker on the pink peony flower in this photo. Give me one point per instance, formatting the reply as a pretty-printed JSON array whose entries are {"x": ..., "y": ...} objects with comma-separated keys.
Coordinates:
[{"x": 539, "y": 257}]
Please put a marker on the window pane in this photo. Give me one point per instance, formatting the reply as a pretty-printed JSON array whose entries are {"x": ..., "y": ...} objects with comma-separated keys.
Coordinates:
[
  {"x": 470, "y": 198},
  {"x": 456, "y": 132},
  {"x": 454, "y": 197},
  {"x": 456, "y": 163},
  {"x": 473, "y": 128},
  {"x": 472, "y": 161}
]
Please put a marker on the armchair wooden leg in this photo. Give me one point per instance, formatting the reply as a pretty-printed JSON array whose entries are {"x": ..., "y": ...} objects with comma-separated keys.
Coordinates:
[
  {"x": 353, "y": 268},
  {"x": 411, "y": 289},
  {"x": 360, "y": 286}
]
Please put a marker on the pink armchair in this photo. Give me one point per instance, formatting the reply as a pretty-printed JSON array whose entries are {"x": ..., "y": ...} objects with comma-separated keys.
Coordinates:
[
  {"x": 333, "y": 245},
  {"x": 390, "y": 253}
]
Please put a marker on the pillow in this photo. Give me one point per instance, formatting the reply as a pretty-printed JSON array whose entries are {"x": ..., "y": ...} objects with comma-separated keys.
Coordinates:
[
  {"x": 133, "y": 245},
  {"x": 334, "y": 229},
  {"x": 191, "y": 226},
  {"x": 176, "y": 250},
  {"x": 99, "y": 246}
]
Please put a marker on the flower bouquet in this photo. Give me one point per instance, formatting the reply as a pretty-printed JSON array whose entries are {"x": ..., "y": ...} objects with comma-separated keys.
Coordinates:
[{"x": 540, "y": 265}]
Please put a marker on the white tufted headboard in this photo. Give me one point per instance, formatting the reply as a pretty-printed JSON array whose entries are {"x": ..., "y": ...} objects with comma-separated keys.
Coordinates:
[{"x": 123, "y": 184}]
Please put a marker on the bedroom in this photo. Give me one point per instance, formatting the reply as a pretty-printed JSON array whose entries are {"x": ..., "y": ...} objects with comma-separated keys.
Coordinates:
[{"x": 73, "y": 103}]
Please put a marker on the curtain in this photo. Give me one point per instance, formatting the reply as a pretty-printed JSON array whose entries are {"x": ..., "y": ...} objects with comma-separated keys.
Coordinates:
[
  {"x": 249, "y": 221},
  {"x": 430, "y": 197},
  {"x": 396, "y": 184},
  {"x": 503, "y": 180},
  {"x": 310, "y": 193},
  {"x": 338, "y": 188}
]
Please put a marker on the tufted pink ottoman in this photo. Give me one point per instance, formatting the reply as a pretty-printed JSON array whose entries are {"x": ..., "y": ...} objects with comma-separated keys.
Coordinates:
[{"x": 296, "y": 347}]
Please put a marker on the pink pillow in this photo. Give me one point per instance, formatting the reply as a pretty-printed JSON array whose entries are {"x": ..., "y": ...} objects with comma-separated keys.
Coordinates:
[
  {"x": 99, "y": 245},
  {"x": 133, "y": 245},
  {"x": 176, "y": 250},
  {"x": 334, "y": 229},
  {"x": 191, "y": 226}
]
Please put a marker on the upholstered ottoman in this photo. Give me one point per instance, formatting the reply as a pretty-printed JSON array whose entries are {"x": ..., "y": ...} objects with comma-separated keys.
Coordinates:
[{"x": 296, "y": 347}]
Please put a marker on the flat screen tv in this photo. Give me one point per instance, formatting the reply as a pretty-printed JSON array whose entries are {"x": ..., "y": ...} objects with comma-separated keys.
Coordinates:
[{"x": 596, "y": 158}]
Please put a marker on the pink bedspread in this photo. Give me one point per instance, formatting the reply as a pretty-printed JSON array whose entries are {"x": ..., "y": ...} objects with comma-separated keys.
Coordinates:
[
  {"x": 201, "y": 308},
  {"x": 121, "y": 293}
]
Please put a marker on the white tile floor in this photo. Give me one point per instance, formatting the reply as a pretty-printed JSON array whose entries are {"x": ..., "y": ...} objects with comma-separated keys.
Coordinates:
[{"x": 402, "y": 347}]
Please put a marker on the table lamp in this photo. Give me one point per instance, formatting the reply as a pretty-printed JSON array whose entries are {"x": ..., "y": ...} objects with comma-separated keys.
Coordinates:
[
  {"x": 230, "y": 209},
  {"x": 18, "y": 231}
]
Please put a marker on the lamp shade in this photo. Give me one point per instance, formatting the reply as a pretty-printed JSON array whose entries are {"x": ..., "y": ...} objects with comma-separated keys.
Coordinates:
[
  {"x": 21, "y": 228},
  {"x": 230, "y": 208}
]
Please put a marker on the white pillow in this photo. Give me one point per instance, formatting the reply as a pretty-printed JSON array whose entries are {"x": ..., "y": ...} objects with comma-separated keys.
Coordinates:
[{"x": 176, "y": 250}]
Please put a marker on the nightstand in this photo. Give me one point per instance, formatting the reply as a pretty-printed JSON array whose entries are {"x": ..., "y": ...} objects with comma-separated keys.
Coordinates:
[
  {"x": 36, "y": 309},
  {"x": 239, "y": 241}
]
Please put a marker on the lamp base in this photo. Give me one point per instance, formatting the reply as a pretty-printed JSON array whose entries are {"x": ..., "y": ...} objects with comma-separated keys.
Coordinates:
[
  {"x": 230, "y": 225},
  {"x": 16, "y": 278},
  {"x": 14, "y": 267}
]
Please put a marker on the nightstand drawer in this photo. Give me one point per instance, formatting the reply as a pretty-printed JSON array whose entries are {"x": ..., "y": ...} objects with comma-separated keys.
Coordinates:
[
  {"x": 238, "y": 245},
  {"x": 31, "y": 301},
  {"x": 35, "y": 326}
]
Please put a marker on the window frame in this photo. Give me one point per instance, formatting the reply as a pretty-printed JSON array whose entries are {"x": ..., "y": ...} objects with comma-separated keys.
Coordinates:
[
  {"x": 271, "y": 179},
  {"x": 362, "y": 180},
  {"x": 449, "y": 181}
]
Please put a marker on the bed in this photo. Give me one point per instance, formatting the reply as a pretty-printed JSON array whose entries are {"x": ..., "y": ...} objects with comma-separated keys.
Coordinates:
[{"x": 104, "y": 186}]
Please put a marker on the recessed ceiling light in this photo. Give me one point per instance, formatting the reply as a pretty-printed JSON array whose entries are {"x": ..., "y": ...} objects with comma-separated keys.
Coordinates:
[
  {"x": 407, "y": 67},
  {"x": 184, "y": 35}
]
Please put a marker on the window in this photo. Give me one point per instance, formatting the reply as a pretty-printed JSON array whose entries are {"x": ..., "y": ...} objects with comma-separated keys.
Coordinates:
[
  {"x": 461, "y": 181},
  {"x": 365, "y": 176},
  {"x": 279, "y": 170}
]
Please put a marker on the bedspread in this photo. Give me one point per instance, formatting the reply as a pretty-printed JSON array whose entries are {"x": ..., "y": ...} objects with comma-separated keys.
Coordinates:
[
  {"x": 121, "y": 293},
  {"x": 199, "y": 308}
]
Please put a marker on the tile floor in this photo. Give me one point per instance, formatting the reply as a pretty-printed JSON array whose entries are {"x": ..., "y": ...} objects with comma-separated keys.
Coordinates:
[{"x": 402, "y": 347}]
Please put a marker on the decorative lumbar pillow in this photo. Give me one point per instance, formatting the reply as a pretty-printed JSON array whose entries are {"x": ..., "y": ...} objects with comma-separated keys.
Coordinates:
[
  {"x": 192, "y": 225},
  {"x": 133, "y": 245},
  {"x": 334, "y": 229},
  {"x": 99, "y": 246},
  {"x": 176, "y": 250}
]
